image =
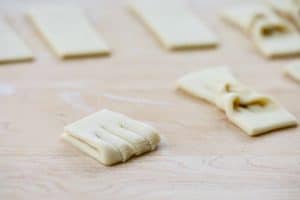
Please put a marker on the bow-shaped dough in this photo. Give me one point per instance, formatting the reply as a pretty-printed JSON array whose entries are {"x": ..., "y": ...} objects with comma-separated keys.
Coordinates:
[
  {"x": 272, "y": 35},
  {"x": 253, "y": 112}
]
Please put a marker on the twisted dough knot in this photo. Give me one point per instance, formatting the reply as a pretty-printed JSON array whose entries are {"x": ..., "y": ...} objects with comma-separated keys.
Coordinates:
[{"x": 235, "y": 98}]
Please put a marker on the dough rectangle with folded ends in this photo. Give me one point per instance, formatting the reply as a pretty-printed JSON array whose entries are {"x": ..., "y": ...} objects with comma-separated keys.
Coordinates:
[
  {"x": 272, "y": 35},
  {"x": 111, "y": 137},
  {"x": 68, "y": 31},
  {"x": 12, "y": 47},
  {"x": 253, "y": 112},
  {"x": 293, "y": 71},
  {"x": 175, "y": 26}
]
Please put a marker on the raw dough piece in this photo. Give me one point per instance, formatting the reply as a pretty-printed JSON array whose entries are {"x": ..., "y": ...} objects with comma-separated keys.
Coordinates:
[
  {"x": 293, "y": 70},
  {"x": 111, "y": 137},
  {"x": 175, "y": 26},
  {"x": 243, "y": 15},
  {"x": 289, "y": 9},
  {"x": 253, "y": 112},
  {"x": 68, "y": 32},
  {"x": 273, "y": 36},
  {"x": 12, "y": 48}
]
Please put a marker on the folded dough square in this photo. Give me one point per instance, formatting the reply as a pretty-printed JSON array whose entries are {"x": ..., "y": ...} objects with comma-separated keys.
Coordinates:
[
  {"x": 254, "y": 113},
  {"x": 111, "y": 137}
]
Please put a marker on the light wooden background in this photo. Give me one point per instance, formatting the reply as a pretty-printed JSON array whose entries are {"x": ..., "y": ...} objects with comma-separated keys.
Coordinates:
[{"x": 201, "y": 156}]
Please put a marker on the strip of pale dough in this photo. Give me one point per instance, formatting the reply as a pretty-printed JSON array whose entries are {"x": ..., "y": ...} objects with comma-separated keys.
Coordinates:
[
  {"x": 272, "y": 35},
  {"x": 12, "y": 48},
  {"x": 104, "y": 137},
  {"x": 289, "y": 9},
  {"x": 68, "y": 32},
  {"x": 293, "y": 70},
  {"x": 252, "y": 112},
  {"x": 175, "y": 26}
]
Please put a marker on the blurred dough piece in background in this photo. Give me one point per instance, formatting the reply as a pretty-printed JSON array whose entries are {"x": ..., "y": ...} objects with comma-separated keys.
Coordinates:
[
  {"x": 293, "y": 71},
  {"x": 174, "y": 25},
  {"x": 272, "y": 35},
  {"x": 68, "y": 31},
  {"x": 12, "y": 47},
  {"x": 289, "y": 9}
]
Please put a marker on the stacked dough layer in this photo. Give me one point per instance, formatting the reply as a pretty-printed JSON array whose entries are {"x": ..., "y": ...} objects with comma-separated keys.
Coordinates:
[
  {"x": 111, "y": 137},
  {"x": 253, "y": 112}
]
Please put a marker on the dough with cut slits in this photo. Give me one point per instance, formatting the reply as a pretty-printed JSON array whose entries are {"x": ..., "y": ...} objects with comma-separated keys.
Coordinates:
[
  {"x": 253, "y": 112},
  {"x": 12, "y": 47},
  {"x": 293, "y": 71},
  {"x": 175, "y": 26},
  {"x": 272, "y": 35},
  {"x": 68, "y": 32},
  {"x": 111, "y": 137}
]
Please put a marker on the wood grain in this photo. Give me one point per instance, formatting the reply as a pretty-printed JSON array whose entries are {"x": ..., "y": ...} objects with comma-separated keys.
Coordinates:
[{"x": 202, "y": 155}]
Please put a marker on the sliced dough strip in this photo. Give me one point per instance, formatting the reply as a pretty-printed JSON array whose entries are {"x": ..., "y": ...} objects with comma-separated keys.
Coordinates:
[
  {"x": 253, "y": 112},
  {"x": 126, "y": 149},
  {"x": 92, "y": 146},
  {"x": 139, "y": 144},
  {"x": 142, "y": 129},
  {"x": 175, "y": 26}
]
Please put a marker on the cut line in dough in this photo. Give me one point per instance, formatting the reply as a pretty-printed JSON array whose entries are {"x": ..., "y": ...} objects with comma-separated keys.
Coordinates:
[
  {"x": 12, "y": 47},
  {"x": 111, "y": 137},
  {"x": 173, "y": 24},
  {"x": 253, "y": 112},
  {"x": 68, "y": 32},
  {"x": 272, "y": 35},
  {"x": 293, "y": 71}
]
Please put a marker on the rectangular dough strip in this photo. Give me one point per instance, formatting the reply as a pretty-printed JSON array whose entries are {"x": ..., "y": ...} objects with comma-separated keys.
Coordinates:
[
  {"x": 173, "y": 24},
  {"x": 254, "y": 113},
  {"x": 68, "y": 32},
  {"x": 12, "y": 47}
]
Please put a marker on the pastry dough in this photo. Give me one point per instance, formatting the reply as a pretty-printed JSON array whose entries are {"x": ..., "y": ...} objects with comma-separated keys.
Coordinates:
[
  {"x": 293, "y": 70},
  {"x": 273, "y": 36},
  {"x": 111, "y": 137},
  {"x": 68, "y": 32},
  {"x": 289, "y": 9},
  {"x": 12, "y": 48},
  {"x": 175, "y": 26},
  {"x": 253, "y": 112}
]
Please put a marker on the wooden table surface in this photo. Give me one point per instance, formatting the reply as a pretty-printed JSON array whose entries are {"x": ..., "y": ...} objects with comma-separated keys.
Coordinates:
[{"x": 202, "y": 155}]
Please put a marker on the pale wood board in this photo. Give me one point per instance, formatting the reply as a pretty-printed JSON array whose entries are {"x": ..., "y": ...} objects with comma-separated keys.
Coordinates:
[{"x": 202, "y": 155}]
